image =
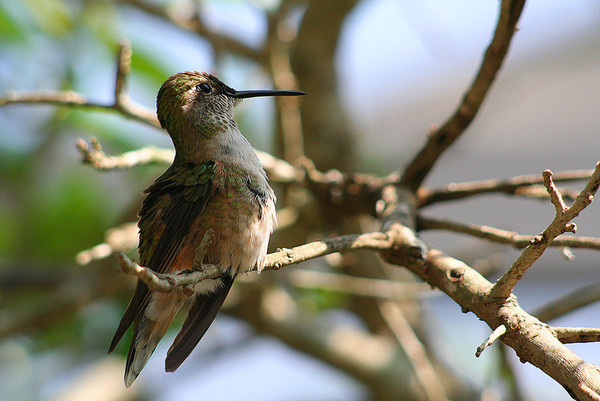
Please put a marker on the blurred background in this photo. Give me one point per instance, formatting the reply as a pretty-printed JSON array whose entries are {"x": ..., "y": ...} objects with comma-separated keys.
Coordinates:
[{"x": 378, "y": 74}]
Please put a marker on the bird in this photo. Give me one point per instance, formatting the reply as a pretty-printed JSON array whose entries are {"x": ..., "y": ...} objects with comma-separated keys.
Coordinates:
[{"x": 215, "y": 186}]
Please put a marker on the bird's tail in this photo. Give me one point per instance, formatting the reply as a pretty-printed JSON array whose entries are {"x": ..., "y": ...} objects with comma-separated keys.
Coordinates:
[
  {"x": 199, "y": 318},
  {"x": 148, "y": 331}
]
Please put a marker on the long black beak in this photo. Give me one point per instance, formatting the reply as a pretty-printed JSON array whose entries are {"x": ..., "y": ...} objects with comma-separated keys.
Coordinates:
[{"x": 263, "y": 92}]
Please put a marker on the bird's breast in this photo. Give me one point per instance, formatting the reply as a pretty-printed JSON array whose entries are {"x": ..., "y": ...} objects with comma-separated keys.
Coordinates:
[{"x": 241, "y": 214}]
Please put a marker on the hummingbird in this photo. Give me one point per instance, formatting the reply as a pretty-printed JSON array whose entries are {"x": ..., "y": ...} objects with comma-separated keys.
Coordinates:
[{"x": 215, "y": 185}]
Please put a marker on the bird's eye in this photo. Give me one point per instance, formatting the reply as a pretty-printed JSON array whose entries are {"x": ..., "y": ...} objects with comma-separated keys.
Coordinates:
[{"x": 204, "y": 88}]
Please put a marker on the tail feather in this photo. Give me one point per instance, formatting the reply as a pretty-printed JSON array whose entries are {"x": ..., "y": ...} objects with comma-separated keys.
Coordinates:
[
  {"x": 199, "y": 318},
  {"x": 136, "y": 305},
  {"x": 141, "y": 348},
  {"x": 148, "y": 330},
  {"x": 144, "y": 342}
]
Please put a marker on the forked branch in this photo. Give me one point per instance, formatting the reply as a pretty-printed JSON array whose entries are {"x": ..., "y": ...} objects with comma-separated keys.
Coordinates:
[
  {"x": 560, "y": 224},
  {"x": 121, "y": 104}
]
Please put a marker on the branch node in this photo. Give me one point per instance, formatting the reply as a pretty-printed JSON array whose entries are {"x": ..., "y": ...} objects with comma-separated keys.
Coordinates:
[{"x": 538, "y": 239}]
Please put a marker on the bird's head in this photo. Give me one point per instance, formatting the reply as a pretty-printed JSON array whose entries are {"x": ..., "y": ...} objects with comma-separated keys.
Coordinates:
[{"x": 200, "y": 102}]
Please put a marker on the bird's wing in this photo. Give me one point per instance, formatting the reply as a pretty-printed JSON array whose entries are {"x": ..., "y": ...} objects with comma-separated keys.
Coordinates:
[{"x": 171, "y": 205}]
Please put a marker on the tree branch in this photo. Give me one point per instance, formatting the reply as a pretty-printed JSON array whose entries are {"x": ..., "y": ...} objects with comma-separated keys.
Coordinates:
[
  {"x": 569, "y": 335},
  {"x": 513, "y": 186},
  {"x": 496, "y": 334},
  {"x": 184, "y": 280},
  {"x": 192, "y": 22},
  {"x": 118, "y": 239},
  {"x": 422, "y": 368},
  {"x": 532, "y": 340},
  {"x": 561, "y": 223},
  {"x": 503, "y": 236},
  {"x": 121, "y": 104},
  {"x": 569, "y": 302},
  {"x": 95, "y": 157},
  {"x": 437, "y": 143}
]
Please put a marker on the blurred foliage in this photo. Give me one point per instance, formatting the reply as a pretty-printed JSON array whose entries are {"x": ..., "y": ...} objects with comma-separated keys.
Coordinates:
[{"x": 51, "y": 205}]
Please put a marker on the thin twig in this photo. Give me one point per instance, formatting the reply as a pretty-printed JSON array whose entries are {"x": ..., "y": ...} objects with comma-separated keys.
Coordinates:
[
  {"x": 191, "y": 22},
  {"x": 559, "y": 225},
  {"x": 555, "y": 196},
  {"x": 532, "y": 340},
  {"x": 95, "y": 156},
  {"x": 569, "y": 335},
  {"x": 123, "y": 69},
  {"x": 121, "y": 104},
  {"x": 498, "y": 235},
  {"x": 496, "y": 334},
  {"x": 279, "y": 170},
  {"x": 569, "y": 302},
  {"x": 77, "y": 100},
  {"x": 423, "y": 161},
  {"x": 526, "y": 185},
  {"x": 118, "y": 239},
  {"x": 422, "y": 368}
]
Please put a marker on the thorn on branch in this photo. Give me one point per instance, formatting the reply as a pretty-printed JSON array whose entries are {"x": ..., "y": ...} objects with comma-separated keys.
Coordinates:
[{"x": 496, "y": 334}]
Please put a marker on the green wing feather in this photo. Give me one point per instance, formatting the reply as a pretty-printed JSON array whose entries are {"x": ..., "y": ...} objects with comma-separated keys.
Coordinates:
[{"x": 171, "y": 205}]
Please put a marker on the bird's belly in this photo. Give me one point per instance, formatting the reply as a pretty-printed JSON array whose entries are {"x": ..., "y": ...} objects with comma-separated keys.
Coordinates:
[{"x": 241, "y": 226}]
